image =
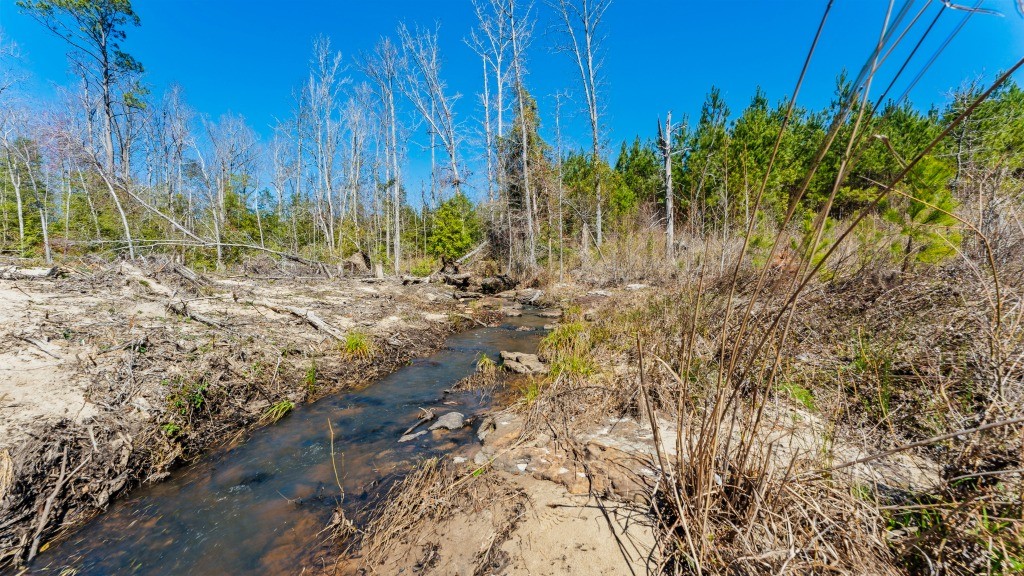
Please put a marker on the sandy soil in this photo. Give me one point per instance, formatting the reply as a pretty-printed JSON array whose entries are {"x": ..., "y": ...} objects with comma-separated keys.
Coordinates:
[
  {"x": 530, "y": 504},
  {"x": 517, "y": 504},
  {"x": 94, "y": 366},
  {"x": 553, "y": 533},
  {"x": 40, "y": 380}
]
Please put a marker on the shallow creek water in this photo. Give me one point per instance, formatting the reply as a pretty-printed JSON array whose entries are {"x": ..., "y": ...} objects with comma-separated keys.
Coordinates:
[{"x": 260, "y": 507}]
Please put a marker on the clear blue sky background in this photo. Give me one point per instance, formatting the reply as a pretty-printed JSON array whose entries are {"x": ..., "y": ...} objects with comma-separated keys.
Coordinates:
[{"x": 247, "y": 56}]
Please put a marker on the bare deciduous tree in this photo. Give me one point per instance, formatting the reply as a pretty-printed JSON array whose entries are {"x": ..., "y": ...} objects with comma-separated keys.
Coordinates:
[
  {"x": 169, "y": 137},
  {"x": 232, "y": 148},
  {"x": 520, "y": 29},
  {"x": 323, "y": 128},
  {"x": 383, "y": 68},
  {"x": 8, "y": 78},
  {"x": 491, "y": 41},
  {"x": 665, "y": 145},
  {"x": 14, "y": 177},
  {"x": 423, "y": 86},
  {"x": 581, "y": 20}
]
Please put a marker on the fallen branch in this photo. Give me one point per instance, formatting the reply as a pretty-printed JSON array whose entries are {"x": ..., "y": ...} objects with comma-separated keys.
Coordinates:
[
  {"x": 174, "y": 304},
  {"x": 41, "y": 345},
  {"x": 925, "y": 442},
  {"x": 181, "y": 308},
  {"x": 129, "y": 345},
  {"x": 191, "y": 275},
  {"x": 427, "y": 416},
  {"x": 472, "y": 253},
  {"x": 16, "y": 273},
  {"x": 44, "y": 517},
  {"x": 308, "y": 315},
  {"x": 468, "y": 317},
  {"x": 150, "y": 284},
  {"x": 460, "y": 280}
]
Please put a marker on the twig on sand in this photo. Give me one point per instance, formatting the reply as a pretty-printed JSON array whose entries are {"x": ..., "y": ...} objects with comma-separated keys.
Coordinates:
[{"x": 39, "y": 344}]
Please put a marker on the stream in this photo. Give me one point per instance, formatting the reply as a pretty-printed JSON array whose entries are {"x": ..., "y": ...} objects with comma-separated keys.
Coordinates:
[{"x": 261, "y": 507}]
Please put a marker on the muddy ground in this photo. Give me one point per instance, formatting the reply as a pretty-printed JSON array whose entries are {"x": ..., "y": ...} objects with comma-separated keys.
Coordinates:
[{"x": 113, "y": 374}]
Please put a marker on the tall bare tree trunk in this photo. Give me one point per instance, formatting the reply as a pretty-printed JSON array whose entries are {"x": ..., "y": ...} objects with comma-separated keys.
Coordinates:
[
  {"x": 396, "y": 187},
  {"x": 41, "y": 206},
  {"x": 15, "y": 179},
  {"x": 561, "y": 190},
  {"x": 665, "y": 141},
  {"x": 582, "y": 19},
  {"x": 488, "y": 136},
  {"x": 518, "y": 28}
]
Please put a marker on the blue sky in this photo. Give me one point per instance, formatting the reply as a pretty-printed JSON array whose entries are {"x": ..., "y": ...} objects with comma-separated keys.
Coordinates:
[{"x": 247, "y": 56}]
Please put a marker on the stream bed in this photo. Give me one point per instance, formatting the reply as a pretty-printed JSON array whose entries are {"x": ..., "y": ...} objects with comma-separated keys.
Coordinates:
[{"x": 261, "y": 507}]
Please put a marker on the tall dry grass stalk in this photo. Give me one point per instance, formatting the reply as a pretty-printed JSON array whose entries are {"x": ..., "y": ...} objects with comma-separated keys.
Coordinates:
[{"x": 731, "y": 501}]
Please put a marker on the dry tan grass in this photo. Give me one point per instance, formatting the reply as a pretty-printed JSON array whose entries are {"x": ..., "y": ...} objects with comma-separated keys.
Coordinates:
[{"x": 396, "y": 536}]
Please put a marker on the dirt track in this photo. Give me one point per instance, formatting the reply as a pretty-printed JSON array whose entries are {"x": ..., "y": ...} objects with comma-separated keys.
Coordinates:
[{"x": 112, "y": 374}]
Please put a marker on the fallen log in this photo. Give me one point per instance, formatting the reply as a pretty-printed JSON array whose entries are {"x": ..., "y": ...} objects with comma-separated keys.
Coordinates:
[
  {"x": 472, "y": 253},
  {"x": 191, "y": 275},
  {"x": 146, "y": 282},
  {"x": 308, "y": 315},
  {"x": 181, "y": 308},
  {"x": 406, "y": 280},
  {"x": 457, "y": 280},
  {"x": 174, "y": 303},
  {"x": 16, "y": 273},
  {"x": 496, "y": 284}
]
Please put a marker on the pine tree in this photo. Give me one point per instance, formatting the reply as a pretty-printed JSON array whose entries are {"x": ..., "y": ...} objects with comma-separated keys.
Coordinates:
[
  {"x": 925, "y": 219},
  {"x": 455, "y": 228}
]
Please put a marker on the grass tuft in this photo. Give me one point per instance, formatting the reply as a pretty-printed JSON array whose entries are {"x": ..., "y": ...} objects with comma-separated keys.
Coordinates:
[
  {"x": 277, "y": 411},
  {"x": 357, "y": 345}
]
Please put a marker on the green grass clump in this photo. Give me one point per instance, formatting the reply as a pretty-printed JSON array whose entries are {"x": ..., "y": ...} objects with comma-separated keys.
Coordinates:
[
  {"x": 278, "y": 411},
  {"x": 797, "y": 392},
  {"x": 569, "y": 348},
  {"x": 573, "y": 365},
  {"x": 424, "y": 267},
  {"x": 310, "y": 378},
  {"x": 357, "y": 345},
  {"x": 565, "y": 337},
  {"x": 485, "y": 365},
  {"x": 186, "y": 397},
  {"x": 531, "y": 391}
]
